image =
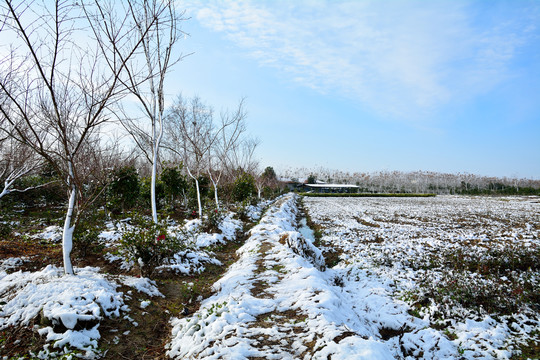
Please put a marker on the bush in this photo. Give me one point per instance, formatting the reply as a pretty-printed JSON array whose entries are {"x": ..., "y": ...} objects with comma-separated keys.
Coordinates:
[
  {"x": 5, "y": 230},
  {"x": 244, "y": 187},
  {"x": 212, "y": 221},
  {"x": 204, "y": 188},
  {"x": 173, "y": 184},
  {"x": 124, "y": 189},
  {"x": 86, "y": 234},
  {"x": 144, "y": 194},
  {"x": 149, "y": 245}
]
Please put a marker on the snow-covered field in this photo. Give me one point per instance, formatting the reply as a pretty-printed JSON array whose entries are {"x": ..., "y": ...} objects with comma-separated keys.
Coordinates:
[
  {"x": 417, "y": 278},
  {"x": 438, "y": 277}
]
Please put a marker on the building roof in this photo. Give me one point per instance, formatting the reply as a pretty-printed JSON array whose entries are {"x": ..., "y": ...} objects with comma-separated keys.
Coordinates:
[{"x": 330, "y": 186}]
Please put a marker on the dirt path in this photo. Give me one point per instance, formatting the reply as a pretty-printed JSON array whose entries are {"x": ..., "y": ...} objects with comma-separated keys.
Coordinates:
[{"x": 273, "y": 303}]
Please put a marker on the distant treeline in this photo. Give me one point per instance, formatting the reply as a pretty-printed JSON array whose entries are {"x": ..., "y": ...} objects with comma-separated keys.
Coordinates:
[{"x": 420, "y": 182}]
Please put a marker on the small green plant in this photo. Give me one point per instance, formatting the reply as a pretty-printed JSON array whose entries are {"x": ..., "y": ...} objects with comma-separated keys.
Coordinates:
[
  {"x": 213, "y": 219},
  {"x": 149, "y": 245},
  {"x": 449, "y": 334},
  {"x": 5, "y": 230},
  {"x": 86, "y": 235},
  {"x": 216, "y": 308}
]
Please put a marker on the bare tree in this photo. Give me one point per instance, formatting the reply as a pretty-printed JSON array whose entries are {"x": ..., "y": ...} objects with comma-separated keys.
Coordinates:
[
  {"x": 243, "y": 156},
  {"x": 157, "y": 24},
  {"x": 190, "y": 133},
  {"x": 16, "y": 162},
  {"x": 58, "y": 86},
  {"x": 229, "y": 137}
]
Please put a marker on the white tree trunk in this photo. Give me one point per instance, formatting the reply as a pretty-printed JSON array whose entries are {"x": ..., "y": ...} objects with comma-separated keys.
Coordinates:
[
  {"x": 7, "y": 185},
  {"x": 198, "y": 197},
  {"x": 215, "y": 195},
  {"x": 155, "y": 150},
  {"x": 198, "y": 191},
  {"x": 214, "y": 183},
  {"x": 67, "y": 236},
  {"x": 5, "y": 191},
  {"x": 153, "y": 188}
]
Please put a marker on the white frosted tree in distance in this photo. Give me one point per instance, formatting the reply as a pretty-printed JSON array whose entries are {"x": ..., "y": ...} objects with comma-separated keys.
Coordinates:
[{"x": 16, "y": 162}]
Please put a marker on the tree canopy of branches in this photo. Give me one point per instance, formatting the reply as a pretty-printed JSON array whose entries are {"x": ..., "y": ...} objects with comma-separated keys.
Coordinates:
[
  {"x": 190, "y": 131},
  {"x": 206, "y": 146},
  {"x": 16, "y": 162},
  {"x": 157, "y": 25}
]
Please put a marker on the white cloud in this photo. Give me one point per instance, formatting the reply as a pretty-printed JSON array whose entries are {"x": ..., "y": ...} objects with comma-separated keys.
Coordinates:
[{"x": 399, "y": 58}]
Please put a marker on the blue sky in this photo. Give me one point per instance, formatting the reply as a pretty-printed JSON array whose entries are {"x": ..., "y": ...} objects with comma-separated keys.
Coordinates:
[{"x": 448, "y": 86}]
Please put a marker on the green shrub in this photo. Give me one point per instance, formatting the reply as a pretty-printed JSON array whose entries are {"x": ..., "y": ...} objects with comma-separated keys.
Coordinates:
[
  {"x": 149, "y": 244},
  {"x": 213, "y": 219},
  {"x": 5, "y": 230},
  {"x": 144, "y": 194},
  {"x": 174, "y": 183},
  {"x": 124, "y": 189},
  {"x": 204, "y": 188},
  {"x": 86, "y": 234},
  {"x": 244, "y": 187}
]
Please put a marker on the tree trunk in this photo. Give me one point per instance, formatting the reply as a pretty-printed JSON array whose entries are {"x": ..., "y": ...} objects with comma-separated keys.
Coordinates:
[
  {"x": 153, "y": 188},
  {"x": 215, "y": 195},
  {"x": 198, "y": 191},
  {"x": 4, "y": 192},
  {"x": 215, "y": 190},
  {"x": 67, "y": 236},
  {"x": 198, "y": 197}
]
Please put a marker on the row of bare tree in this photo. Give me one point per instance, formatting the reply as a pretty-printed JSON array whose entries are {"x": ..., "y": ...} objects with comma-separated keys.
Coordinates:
[{"x": 72, "y": 72}]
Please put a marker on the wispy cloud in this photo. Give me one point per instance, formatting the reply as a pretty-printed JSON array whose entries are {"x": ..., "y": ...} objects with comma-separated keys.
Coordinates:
[{"x": 404, "y": 59}]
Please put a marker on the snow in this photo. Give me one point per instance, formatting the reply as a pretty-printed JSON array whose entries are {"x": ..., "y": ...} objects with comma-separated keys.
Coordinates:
[
  {"x": 51, "y": 233},
  {"x": 192, "y": 260},
  {"x": 281, "y": 301},
  {"x": 189, "y": 262},
  {"x": 278, "y": 301},
  {"x": 402, "y": 243},
  {"x": 70, "y": 306},
  {"x": 228, "y": 227},
  {"x": 142, "y": 284},
  {"x": 11, "y": 264},
  {"x": 254, "y": 212},
  {"x": 228, "y": 324}
]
